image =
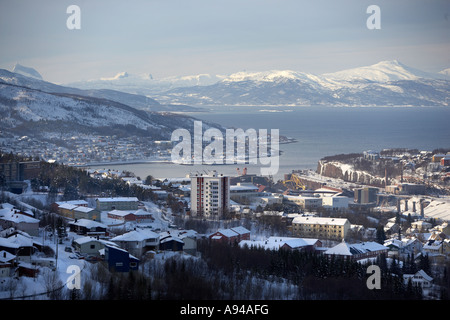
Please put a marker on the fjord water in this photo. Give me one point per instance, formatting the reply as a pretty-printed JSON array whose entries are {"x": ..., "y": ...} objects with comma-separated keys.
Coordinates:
[{"x": 321, "y": 131}]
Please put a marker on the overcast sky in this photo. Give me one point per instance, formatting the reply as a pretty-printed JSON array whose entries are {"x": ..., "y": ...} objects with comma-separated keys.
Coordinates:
[{"x": 185, "y": 37}]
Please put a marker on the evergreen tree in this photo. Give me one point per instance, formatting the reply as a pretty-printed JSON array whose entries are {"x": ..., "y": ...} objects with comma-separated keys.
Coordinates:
[
  {"x": 424, "y": 264},
  {"x": 381, "y": 236}
]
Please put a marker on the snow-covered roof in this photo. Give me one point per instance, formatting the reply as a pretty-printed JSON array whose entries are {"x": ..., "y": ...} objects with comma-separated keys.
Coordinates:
[
  {"x": 422, "y": 273},
  {"x": 17, "y": 217},
  {"x": 171, "y": 238},
  {"x": 244, "y": 187},
  {"x": 5, "y": 256},
  {"x": 68, "y": 206},
  {"x": 240, "y": 230},
  {"x": 136, "y": 235},
  {"x": 320, "y": 220},
  {"x": 142, "y": 212},
  {"x": 438, "y": 209},
  {"x": 73, "y": 202},
  {"x": 17, "y": 241},
  {"x": 117, "y": 199},
  {"x": 347, "y": 249},
  {"x": 275, "y": 243},
  {"x": 228, "y": 232},
  {"x": 121, "y": 213},
  {"x": 84, "y": 209},
  {"x": 87, "y": 239},
  {"x": 88, "y": 223}
]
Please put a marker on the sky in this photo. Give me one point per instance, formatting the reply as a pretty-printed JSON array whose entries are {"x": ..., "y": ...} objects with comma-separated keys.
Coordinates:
[{"x": 186, "y": 37}]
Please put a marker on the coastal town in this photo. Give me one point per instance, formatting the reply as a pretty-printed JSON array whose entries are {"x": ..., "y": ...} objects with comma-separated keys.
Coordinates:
[
  {"x": 87, "y": 149},
  {"x": 60, "y": 242}
]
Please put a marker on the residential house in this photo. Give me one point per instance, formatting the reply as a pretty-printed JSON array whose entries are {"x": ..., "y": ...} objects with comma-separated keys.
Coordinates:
[
  {"x": 21, "y": 245},
  {"x": 189, "y": 238},
  {"x": 138, "y": 241},
  {"x": 88, "y": 227},
  {"x": 442, "y": 228},
  {"x": 420, "y": 278},
  {"x": 357, "y": 251},
  {"x": 20, "y": 221},
  {"x": 437, "y": 246},
  {"x": 404, "y": 246},
  {"x": 120, "y": 260},
  {"x": 391, "y": 227},
  {"x": 11, "y": 217},
  {"x": 170, "y": 242},
  {"x": 143, "y": 216},
  {"x": 421, "y": 226},
  {"x": 6, "y": 263},
  {"x": 89, "y": 245}
]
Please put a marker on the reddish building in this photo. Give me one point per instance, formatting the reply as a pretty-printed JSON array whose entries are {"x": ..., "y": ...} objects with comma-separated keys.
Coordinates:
[
  {"x": 445, "y": 161},
  {"x": 231, "y": 235}
]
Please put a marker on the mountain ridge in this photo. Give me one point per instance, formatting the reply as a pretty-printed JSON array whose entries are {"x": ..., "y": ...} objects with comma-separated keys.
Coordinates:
[
  {"x": 388, "y": 82},
  {"x": 385, "y": 83}
]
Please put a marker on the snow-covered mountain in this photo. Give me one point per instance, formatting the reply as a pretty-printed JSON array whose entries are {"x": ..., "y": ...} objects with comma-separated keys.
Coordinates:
[
  {"x": 145, "y": 84},
  {"x": 382, "y": 84},
  {"x": 445, "y": 72},
  {"x": 137, "y": 101},
  {"x": 34, "y": 107},
  {"x": 26, "y": 71},
  {"x": 383, "y": 71}
]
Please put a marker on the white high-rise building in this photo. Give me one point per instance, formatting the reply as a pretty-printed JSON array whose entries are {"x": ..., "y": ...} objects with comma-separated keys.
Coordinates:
[{"x": 210, "y": 194}]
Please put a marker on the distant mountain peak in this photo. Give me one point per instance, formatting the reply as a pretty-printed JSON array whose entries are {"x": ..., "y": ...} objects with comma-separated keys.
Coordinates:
[
  {"x": 383, "y": 71},
  {"x": 445, "y": 72},
  {"x": 26, "y": 71},
  {"x": 120, "y": 75}
]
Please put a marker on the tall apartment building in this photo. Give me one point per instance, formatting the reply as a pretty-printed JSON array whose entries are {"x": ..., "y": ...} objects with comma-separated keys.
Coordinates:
[
  {"x": 366, "y": 195},
  {"x": 210, "y": 194}
]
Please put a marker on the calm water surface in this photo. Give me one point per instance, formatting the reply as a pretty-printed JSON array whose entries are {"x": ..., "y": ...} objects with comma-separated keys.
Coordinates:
[{"x": 321, "y": 131}]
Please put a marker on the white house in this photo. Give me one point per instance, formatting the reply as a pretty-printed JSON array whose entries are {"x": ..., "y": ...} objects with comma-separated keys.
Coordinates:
[
  {"x": 419, "y": 278},
  {"x": 11, "y": 217},
  {"x": 137, "y": 241}
]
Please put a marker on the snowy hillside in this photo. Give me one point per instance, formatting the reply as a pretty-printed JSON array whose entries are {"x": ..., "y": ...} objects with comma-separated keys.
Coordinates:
[
  {"x": 137, "y": 101},
  {"x": 28, "y": 105}
]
